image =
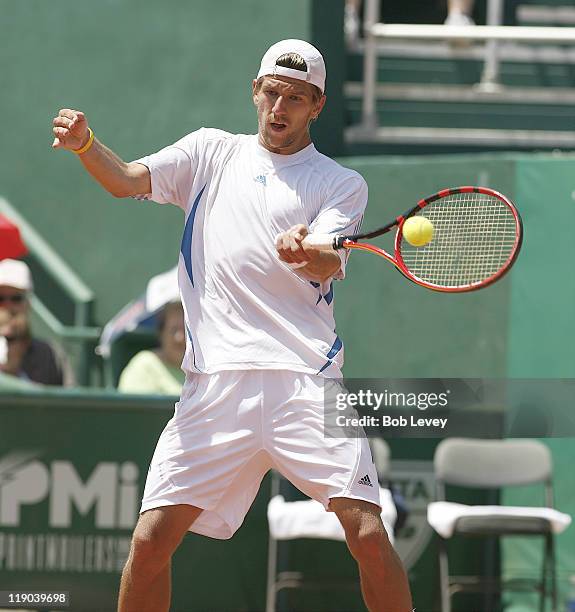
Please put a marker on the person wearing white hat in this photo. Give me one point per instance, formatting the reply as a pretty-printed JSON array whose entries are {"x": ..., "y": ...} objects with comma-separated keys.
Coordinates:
[
  {"x": 22, "y": 355},
  {"x": 261, "y": 345}
]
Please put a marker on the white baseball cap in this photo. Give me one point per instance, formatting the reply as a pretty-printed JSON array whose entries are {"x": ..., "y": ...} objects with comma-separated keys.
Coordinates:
[
  {"x": 315, "y": 73},
  {"x": 15, "y": 273}
]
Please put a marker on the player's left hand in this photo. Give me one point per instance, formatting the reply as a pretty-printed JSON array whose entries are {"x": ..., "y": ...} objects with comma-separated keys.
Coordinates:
[{"x": 289, "y": 246}]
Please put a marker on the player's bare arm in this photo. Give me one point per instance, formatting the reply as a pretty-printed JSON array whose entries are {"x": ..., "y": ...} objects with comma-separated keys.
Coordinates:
[
  {"x": 319, "y": 265},
  {"x": 122, "y": 179}
]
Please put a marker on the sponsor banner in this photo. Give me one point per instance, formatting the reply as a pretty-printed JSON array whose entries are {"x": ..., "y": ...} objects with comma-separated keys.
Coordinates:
[
  {"x": 62, "y": 552},
  {"x": 78, "y": 519},
  {"x": 415, "y": 482}
]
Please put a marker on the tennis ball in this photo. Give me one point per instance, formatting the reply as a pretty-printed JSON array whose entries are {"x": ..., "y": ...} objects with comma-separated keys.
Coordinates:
[{"x": 418, "y": 231}]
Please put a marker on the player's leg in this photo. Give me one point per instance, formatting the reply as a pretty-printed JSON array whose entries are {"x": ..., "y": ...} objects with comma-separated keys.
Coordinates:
[
  {"x": 383, "y": 581},
  {"x": 338, "y": 471},
  {"x": 209, "y": 456},
  {"x": 146, "y": 580}
]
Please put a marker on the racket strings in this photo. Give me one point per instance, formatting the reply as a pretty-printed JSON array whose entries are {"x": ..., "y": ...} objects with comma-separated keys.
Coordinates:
[{"x": 474, "y": 237}]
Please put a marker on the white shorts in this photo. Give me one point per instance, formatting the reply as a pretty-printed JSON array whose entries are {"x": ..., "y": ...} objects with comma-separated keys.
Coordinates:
[{"x": 231, "y": 427}]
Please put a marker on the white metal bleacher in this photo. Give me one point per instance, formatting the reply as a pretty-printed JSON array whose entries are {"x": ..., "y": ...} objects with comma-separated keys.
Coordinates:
[{"x": 492, "y": 44}]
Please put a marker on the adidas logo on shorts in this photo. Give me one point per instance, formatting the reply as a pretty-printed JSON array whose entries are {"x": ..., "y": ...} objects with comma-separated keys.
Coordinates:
[{"x": 365, "y": 481}]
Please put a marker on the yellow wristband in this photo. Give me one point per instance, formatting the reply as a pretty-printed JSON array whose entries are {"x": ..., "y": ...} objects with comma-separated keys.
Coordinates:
[{"x": 87, "y": 145}]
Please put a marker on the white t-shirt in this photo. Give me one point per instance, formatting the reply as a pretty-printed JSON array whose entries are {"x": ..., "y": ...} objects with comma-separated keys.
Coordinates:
[{"x": 244, "y": 308}]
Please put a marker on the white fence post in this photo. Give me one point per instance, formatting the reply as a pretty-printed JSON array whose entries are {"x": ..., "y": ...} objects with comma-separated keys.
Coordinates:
[
  {"x": 369, "y": 113},
  {"x": 490, "y": 76}
]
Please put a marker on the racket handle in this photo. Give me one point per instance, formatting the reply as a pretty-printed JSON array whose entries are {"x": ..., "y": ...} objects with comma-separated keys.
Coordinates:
[{"x": 322, "y": 242}]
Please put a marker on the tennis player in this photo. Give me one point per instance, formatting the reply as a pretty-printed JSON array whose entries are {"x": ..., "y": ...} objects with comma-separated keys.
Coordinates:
[{"x": 260, "y": 329}]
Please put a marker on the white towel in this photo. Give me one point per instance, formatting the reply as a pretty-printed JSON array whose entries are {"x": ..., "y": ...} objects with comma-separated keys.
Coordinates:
[
  {"x": 442, "y": 515},
  {"x": 309, "y": 519}
]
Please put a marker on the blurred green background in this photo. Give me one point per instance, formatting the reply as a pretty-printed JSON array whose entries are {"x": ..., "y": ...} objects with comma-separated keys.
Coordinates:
[{"x": 146, "y": 73}]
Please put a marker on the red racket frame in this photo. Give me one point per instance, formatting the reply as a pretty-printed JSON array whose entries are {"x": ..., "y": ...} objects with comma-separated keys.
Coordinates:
[{"x": 397, "y": 260}]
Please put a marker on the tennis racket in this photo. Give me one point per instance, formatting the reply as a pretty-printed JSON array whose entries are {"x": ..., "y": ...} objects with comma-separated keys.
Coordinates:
[{"x": 477, "y": 235}]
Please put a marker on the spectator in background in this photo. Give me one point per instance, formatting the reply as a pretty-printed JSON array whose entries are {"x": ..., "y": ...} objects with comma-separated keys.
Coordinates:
[
  {"x": 158, "y": 372},
  {"x": 459, "y": 12},
  {"x": 24, "y": 356},
  {"x": 352, "y": 21},
  {"x": 7, "y": 382}
]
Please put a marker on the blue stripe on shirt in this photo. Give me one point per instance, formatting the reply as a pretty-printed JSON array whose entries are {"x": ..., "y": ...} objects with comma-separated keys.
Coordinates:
[
  {"x": 333, "y": 351},
  {"x": 186, "y": 248}
]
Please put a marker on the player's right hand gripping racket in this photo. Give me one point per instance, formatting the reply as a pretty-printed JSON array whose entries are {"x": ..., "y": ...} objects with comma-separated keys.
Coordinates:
[{"x": 477, "y": 234}]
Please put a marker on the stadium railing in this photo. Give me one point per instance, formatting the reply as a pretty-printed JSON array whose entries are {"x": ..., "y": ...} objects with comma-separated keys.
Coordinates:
[
  {"x": 79, "y": 294},
  {"x": 512, "y": 43}
]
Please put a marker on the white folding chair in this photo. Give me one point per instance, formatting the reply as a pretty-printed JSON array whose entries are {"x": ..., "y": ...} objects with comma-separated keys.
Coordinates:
[
  {"x": 492, "y": 464},
  {"x": 290, "y": 520}
]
